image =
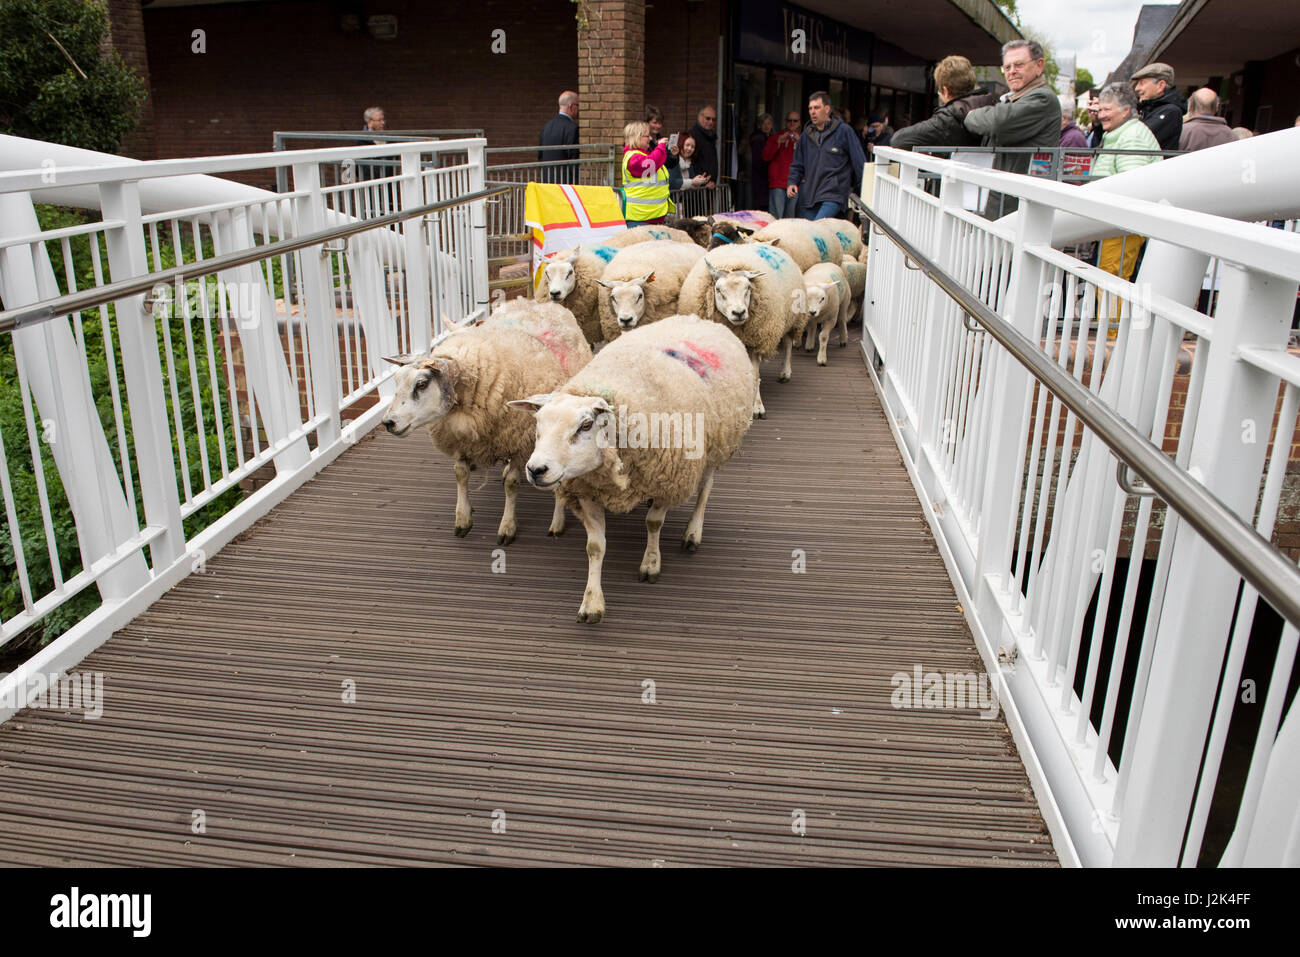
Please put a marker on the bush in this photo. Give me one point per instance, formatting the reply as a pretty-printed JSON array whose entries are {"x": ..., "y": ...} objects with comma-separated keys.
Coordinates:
[{"x": 57, "y": 83}]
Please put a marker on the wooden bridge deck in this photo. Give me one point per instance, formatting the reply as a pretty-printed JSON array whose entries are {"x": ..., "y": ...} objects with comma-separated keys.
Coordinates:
[{"x": 480, "y": 701}]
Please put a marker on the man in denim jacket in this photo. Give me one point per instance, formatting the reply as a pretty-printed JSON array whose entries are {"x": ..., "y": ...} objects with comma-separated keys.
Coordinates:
[{"x": 827, "y": 163}]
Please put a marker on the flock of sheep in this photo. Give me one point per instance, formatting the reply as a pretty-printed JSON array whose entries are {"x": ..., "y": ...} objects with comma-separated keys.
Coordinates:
[{"x": 680, "y": 316}]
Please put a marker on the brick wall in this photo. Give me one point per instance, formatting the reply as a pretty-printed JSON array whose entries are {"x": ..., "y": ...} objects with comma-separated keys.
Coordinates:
[
  {"x": 128, "y": 36},
  {"x": 611, "y": 66},
  {"x": 290, "y": 66}
]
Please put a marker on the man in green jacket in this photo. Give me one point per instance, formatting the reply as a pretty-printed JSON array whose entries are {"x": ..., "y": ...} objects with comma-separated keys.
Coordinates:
[{"x": 1028, "y": 117}]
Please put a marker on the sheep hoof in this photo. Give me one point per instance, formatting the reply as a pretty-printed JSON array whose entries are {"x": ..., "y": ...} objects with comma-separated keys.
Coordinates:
[
  {"x": 689, "y": 544},
  {"x": 843, "y": 343},
  {"x": 555, "y": 532},
  {"x": 463, "y": 530},
  {"x": 783, "y": 377},
  {"x": 821, "y": 360},
  {"x": 645, "y": 576},
  {"x": 590, "y": 617},
  {"x": 760, "y": 415},
  {"x": 505, "y": 538}
]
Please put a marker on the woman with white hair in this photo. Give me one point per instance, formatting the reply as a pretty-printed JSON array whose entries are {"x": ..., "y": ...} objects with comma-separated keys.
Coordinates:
[
  {"x": 1124, "y": 130},
  {"x": 1118, "y": 113}
]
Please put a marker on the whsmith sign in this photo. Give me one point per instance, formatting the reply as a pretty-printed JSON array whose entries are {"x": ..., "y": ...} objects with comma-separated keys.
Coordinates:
[{"x": 768, "y": 35}]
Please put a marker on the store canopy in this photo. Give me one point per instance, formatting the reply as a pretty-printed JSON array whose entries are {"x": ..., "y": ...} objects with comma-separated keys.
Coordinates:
[
  {"x": 929, "y": 29},
  {"x": 1217, "y": 37}
]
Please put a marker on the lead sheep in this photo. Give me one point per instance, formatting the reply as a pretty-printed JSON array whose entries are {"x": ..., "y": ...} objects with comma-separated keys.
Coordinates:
[
  {"x": 647, "y": 234},
  {"x": 459, "y": 390},
  {"x": 757, "y": 291},
  {"x": 828, "y": 301},
  {"x": 642, "y": 283},
  {"x": 569, "y": 279},
  {"x": 806, "y": 242},
  {"x": 594, "y": 444}
]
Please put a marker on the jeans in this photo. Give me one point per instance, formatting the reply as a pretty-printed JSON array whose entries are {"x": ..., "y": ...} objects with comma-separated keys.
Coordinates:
[
  {"x": 780, "y": 205},
  {"x": 826, "y": 210}
]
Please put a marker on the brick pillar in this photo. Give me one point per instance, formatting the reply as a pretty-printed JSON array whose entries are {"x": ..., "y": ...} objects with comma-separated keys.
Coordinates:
[
  {"x": 126, "y": 24},
  {"x": 611, "y": 67}
]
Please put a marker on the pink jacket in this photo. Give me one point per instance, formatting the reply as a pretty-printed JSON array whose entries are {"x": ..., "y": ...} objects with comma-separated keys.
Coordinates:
[{"x": 639, "y": 162}]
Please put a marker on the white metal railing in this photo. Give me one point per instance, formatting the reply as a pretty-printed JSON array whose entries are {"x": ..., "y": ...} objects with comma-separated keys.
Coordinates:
[
  {"x": 1116, "y": 627},
  {"x": 135, "y": 417}
]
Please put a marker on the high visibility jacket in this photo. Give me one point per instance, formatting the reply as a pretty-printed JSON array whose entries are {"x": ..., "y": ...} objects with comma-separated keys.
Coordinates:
[{"x": 646, "y": 199}]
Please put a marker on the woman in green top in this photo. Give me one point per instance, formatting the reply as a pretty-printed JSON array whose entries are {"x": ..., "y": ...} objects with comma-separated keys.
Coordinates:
[{"x": 1124, "y": 130}]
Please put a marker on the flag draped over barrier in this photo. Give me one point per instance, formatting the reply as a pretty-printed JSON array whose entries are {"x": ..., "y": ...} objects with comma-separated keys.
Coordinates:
[{"x": 560, "y": 216}]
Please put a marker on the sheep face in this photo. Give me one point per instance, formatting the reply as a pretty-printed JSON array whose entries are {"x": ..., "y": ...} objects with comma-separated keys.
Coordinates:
[
  {"x": 627, "y": 299},
  {"x": 573, "y": 437},
  {"x": 724, "y": 233},
  {"x": 731, "y": 292},
  {"x": 426, "y": 391},
  {"x": 560, "y": 278},
  {"x": 816, "y": 299}
]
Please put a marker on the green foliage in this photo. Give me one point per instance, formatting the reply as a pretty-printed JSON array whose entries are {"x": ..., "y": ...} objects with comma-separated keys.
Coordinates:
[
  {"x": 100, "y": 369},
  {"x": 58, "y": 80},
  {"x": 1009, "y": 8},
  {"x": 1083, "y": 80}
]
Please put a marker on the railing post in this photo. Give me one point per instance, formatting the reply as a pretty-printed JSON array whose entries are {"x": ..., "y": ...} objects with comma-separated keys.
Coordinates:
[
  {"x": 419, "y": 296},
  {"x": 1009, "y": 420},
  {"x": 142, "y": 370},
  {"x": 478, "y": 223},
  {"x": 938, "y": 309},
  {"x": 1227, "y": 456},
  {"x": 318, "y": 304}
]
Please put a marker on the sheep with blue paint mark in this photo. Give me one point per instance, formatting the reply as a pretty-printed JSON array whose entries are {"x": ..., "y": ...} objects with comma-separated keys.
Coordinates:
[
  {"x": 641, "y": 283},
  {"x": 647, "y": 234},
  {"x": 651, "y": 417},
  {"x": 569, "y": 279},
  {"x": 806, "y": 242},
  {"x": 845, "y": 233},
  {"x": 757, "y": 291}
]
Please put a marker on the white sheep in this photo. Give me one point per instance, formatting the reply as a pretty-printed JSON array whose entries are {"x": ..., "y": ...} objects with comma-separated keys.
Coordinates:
[
  {"x": 856, "y": 273},
  {"x": 651, "y": 417},
  {"x": 460, "y": 387},
  {"x": 569, "y": 278},
  {"x": 806, "y": 242},
  {"x": 828, "y": 301},
  {"x": 757, "y": 291},
  {"x": 845, "y": 233},
  {"x": 647, "y": 234},
  {"x": 642, "y": 283}
]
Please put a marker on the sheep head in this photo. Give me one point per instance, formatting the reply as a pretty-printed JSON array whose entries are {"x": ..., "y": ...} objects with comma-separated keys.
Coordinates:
[
  {"x": 425, "y": 392},
  {"x": 627, "y": 299},
  {"x": 560, "y": 277},
  {"x": 731, "y": 292},
  {"x": 816, "y": 296},
  {"x": 576, "y": 435}
]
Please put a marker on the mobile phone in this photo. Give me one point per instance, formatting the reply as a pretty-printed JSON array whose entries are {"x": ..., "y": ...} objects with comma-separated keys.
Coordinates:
[{"x": 672, "y": 140}]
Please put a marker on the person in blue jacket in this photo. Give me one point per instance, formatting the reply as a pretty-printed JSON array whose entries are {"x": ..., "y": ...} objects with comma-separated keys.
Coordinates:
[{"x": 827, "y": 163}]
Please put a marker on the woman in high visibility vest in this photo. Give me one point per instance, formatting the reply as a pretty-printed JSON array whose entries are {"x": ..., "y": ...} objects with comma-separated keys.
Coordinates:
[{"x": 645, "y": 178}]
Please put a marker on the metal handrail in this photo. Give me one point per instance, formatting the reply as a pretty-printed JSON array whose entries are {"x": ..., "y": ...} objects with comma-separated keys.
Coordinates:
[
  {"x": 1276, "y": 579},
  {"x": 47, "y": 309}
]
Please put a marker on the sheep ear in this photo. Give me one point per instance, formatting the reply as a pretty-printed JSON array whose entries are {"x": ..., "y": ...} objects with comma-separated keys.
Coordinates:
[
  {"x": 648, "y": 277},
  {"x": 752, "y": 273},
  {"x": 710, "y": 221},
  {"x": 532, "y": 403},
  {"x": 714, "y": 271},
  {"x": 600, "y": 405},
  {"x": 404, "y": 359},
  {"x": 773, "y": 242},
  {"x": 607, "y": 285},
  {"x": 745, "y": 230}
]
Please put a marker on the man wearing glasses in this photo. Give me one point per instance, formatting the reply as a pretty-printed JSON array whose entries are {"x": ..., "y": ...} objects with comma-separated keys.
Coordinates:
[
  {"x": 1028, "y": 117},
  {"x": 705, "y": 132}
]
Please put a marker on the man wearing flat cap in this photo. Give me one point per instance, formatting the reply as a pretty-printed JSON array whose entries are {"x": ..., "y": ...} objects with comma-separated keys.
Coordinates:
[{"x": 1160, "y": 104}]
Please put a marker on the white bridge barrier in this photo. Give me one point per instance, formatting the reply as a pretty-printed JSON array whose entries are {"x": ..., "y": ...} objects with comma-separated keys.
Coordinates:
[
  {"x": 1117, "y": 631},
  {"x": 145, "y": 409}
]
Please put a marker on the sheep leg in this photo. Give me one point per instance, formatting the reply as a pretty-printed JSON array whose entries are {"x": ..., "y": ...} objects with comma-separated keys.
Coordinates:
[
  {"x": 810, "y": 335},
  {"x": 650, "y": 562},
  {"x": 508, "y": 527},
  {"x": 557, "y": 517},
  {"x": 787, "y": 342},
  {"x": 759, "y": 411},
  {"x": 824, "y": 337},
  {"x": 593, "y": 599},
  {"x": 464, "y": 519},
  {"x": 695, "y": 528},
  {"x": 844, "y": 322}
]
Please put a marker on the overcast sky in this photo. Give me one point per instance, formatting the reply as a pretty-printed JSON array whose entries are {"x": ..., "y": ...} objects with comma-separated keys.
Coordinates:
[{"x": 1099, "y": 32}]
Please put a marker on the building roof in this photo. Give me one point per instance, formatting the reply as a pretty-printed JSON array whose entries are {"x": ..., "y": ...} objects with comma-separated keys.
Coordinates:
[
  {"x": 929, "y": 29},
  {"x": 1151, "y": 23},
  {"x": 1208, "y": 38}
]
